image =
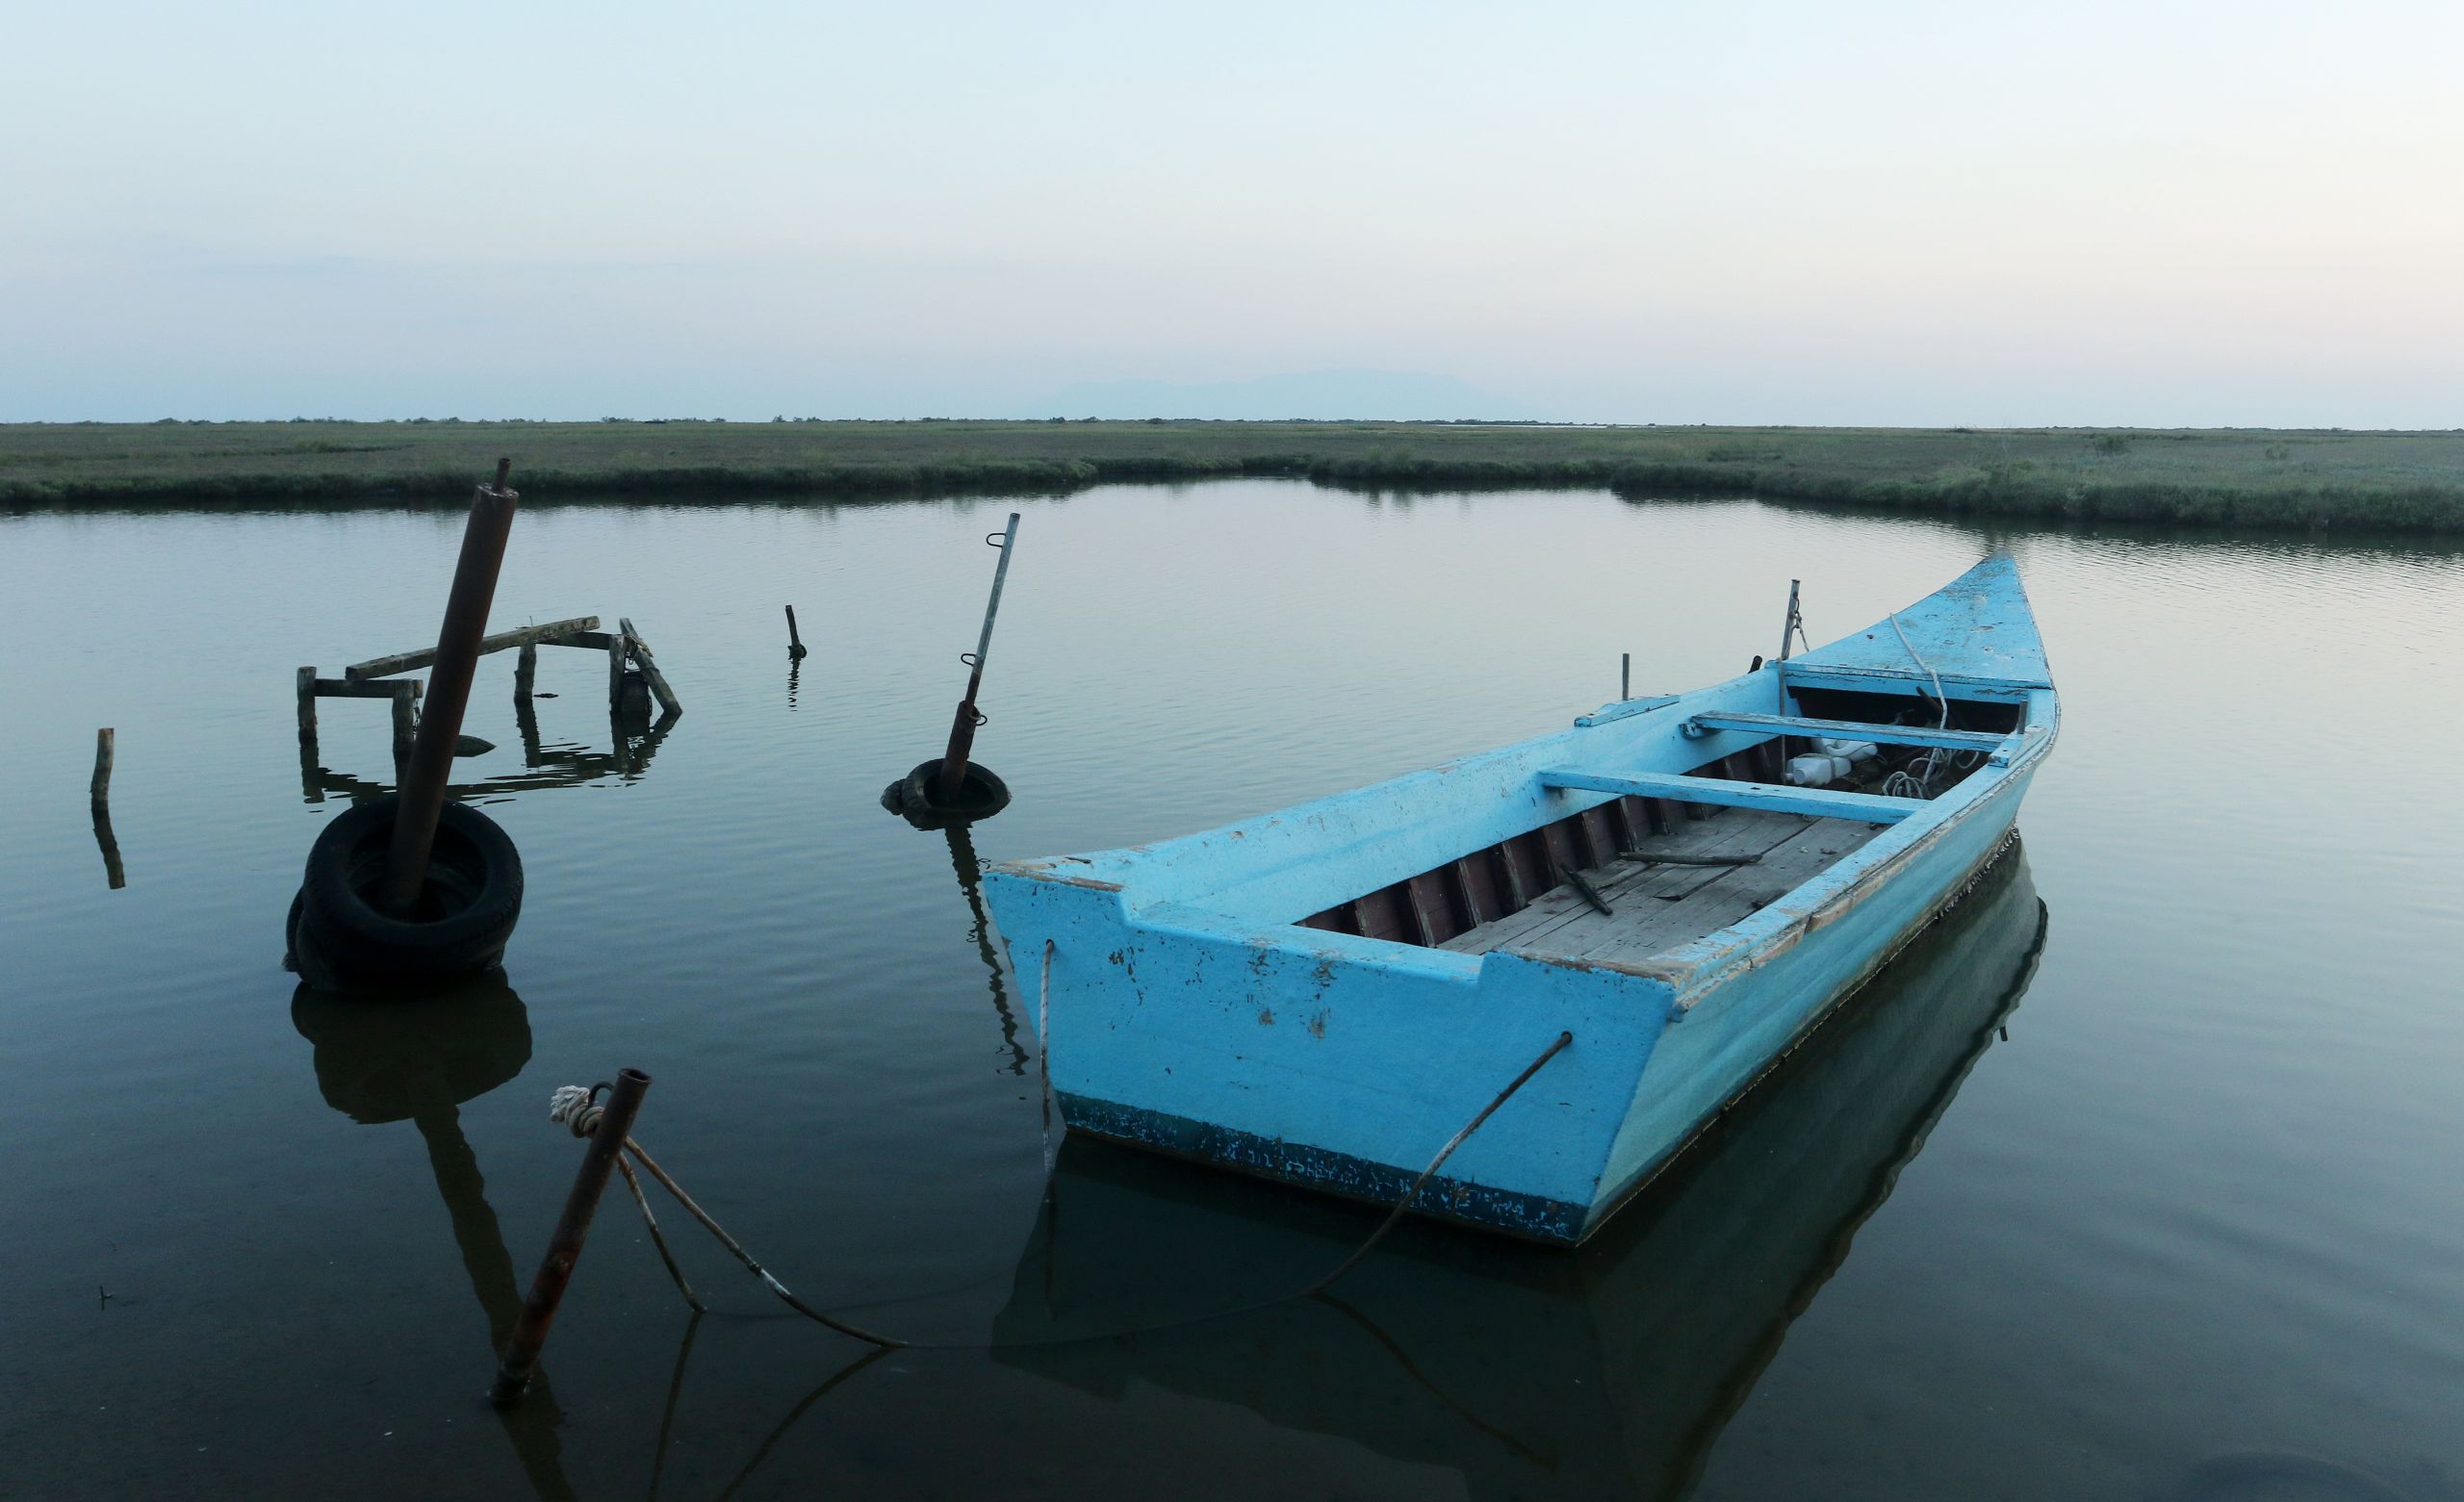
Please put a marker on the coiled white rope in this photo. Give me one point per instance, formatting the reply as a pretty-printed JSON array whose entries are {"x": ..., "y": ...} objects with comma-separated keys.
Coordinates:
[
  {"x": 1931, "y": 761},
  {"x": 575, "y": 1105}
]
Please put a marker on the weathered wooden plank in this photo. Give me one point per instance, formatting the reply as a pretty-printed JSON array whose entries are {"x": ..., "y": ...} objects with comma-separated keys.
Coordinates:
[
  {"x": 1623, "y": 708},
  {"x": 1715, "y": 905},
  {"x": 346, "y": 688},
  {"x": 1382, "y": 915},
  {"x": 1815, "y": 802},
  {"x": 1474, "y": 890},
  {"x": 307, "y": 686},
  {"x": 1852, "y": 731},
  {"x": 412, "y": 662},
  {"x": 1556, "y": 901},
  {"x": 667, "y": 700}
]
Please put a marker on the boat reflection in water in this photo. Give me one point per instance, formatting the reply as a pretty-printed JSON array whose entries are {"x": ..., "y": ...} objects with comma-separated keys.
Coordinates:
[{"x": 1534, "y": 1371}]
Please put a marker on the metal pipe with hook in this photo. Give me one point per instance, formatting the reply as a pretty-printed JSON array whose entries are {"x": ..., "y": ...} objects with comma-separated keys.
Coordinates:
[{"x": 953, "y": 775}]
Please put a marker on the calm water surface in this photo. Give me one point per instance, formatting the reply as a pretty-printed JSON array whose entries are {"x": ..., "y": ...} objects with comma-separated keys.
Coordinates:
[{"x": 2137, "y": 1179}]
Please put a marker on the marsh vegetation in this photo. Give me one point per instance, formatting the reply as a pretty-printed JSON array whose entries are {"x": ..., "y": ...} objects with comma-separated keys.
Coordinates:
[{"x": 2319, "y": 478}]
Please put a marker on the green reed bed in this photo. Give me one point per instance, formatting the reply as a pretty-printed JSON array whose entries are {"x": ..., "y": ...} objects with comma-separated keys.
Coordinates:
[{"x": 2323, "y": 478}]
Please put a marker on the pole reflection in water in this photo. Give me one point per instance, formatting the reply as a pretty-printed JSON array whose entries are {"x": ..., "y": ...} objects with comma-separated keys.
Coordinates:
[
  {"x": 379, "y": 1062},
  {"x": 113, "y": 872},
  {"x": 971, "y": 882},
  {"x": 795, "y": 665},
  {"x": 1607, "y": 1371}
]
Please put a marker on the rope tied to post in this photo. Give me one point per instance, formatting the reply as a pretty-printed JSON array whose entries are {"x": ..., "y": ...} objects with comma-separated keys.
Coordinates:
[
  {"x": 573, "y": 1105},
  {"x": 576, "y": 1106}
]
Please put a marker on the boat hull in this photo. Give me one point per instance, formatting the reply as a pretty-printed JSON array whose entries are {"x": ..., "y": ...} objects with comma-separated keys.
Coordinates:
[{"x": 1201, "y": 997}]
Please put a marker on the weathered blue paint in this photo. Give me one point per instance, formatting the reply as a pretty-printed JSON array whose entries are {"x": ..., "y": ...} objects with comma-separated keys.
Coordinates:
[
  {"x": 1821, "y": 802},
  {"x": 1847, "y": 730},
  {"x": 1623, "y": 708},
  {"x": 1188, "y": 1012}
]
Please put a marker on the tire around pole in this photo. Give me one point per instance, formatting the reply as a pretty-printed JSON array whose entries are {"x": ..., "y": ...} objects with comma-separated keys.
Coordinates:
[
  {"x": 916, "y": 796},
  {"x": 466, "y": 910}
]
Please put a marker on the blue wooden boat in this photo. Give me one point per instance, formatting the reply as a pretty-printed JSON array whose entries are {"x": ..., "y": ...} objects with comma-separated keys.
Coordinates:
[
  {"x": 1685, "y": 884},
  {"x": 1527, "y": 1372}
]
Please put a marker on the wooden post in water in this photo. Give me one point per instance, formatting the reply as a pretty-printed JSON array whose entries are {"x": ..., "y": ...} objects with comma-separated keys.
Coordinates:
[
  {"x": 406, "y": 699},
  {"x": 564, "y": 1245},
  {"x": 795, "y": 642},
  {"x": 105, "y": 750},
  {"x": 308, "y": 706},
  {"x": 616, "y": 673},
  {"x": 668, "y": 702},
  {"x": 457, "y": 657},
  {"x": 99, "y": 797},
  {"x": 525, "y": 670},
  {"x": 1624, "y": 676}
]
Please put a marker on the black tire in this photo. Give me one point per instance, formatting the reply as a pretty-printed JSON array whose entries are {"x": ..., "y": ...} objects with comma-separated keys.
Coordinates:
[
  {"x": 466, "y": 911},
  {"x": 981, "y": 793}
]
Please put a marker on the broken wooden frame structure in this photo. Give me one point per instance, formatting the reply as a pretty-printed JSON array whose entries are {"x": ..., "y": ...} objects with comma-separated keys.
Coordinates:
[{"x": 633, "y": 677}]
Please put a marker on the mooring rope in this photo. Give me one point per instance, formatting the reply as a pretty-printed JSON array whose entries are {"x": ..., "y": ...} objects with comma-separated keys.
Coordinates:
[{"x": 573, "y": 1105}]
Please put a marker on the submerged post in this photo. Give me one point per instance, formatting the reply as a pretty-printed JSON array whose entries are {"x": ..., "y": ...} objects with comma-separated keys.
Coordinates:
[
  {"x": 525, "y": 670},
  {"x": 564, "y": 1245},
  {"x": 1624, "y": 676},
  {"x": 795, "y": 642},
  {"x": 953, "y": 778},
  {"x": 458, "y": 656}
]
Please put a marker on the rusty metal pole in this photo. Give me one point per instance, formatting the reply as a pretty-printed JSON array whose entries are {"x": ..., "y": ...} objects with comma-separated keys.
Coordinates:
[
  {"x": 953, "y": 778},
  {"x": 564, "y": 1246},
  {"x": 449, "y": 693}
]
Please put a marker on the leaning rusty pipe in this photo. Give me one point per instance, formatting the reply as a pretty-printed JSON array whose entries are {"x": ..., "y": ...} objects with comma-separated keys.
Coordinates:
[
  {"x": 449, "y": 693},
  {"x": 564, "y": 1246},
  {"x": 953, "y": 778}
]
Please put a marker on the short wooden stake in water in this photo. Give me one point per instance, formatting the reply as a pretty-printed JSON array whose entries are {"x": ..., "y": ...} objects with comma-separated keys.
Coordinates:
[
  {"x": 795, "y": 642},
  {"x": 100, "y": 796},
  {"x": 406, "y": 722},
  {"x": 1624, "y": 676},
  {"x": 308, "y": 706},
  {"x": 100, "y": 788},
  {"x": 525, "y": 670},
  {"x": 457, "y": 657},
  {"x": 564, "y": 1246}
]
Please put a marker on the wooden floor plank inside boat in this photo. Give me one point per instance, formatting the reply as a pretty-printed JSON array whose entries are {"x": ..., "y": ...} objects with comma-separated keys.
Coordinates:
[{"x": 1655, "y": 908}]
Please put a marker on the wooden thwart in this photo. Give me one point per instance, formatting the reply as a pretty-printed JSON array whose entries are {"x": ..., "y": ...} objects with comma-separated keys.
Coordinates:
[
  {"x": 1815, "y": 802},
  {"x": 1852, "y": 731},
  {"x": 412, "y": 662}
]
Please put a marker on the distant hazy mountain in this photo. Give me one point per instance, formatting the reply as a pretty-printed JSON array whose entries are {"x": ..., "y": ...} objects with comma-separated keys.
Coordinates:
[{"x": 1372, "y": 394}]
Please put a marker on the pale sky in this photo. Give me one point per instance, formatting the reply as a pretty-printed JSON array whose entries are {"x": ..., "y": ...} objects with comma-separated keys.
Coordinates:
[{"x": 1896, "y": 213}]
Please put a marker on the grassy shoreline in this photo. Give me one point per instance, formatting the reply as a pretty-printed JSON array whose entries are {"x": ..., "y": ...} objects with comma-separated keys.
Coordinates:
[{"x": 2317, "y": 479}]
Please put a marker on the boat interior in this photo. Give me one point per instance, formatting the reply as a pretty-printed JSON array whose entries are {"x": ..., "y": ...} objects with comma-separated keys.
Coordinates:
[{"x": 1659, "y": 866}]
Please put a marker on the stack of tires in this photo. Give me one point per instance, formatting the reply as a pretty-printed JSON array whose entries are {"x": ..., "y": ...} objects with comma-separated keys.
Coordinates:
[{"x": 341, "y": 940}]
